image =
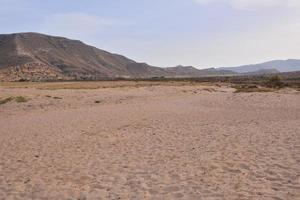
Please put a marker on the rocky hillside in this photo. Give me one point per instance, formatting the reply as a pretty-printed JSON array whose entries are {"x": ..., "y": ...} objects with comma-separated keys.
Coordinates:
[{"x": 33, "y": 56}]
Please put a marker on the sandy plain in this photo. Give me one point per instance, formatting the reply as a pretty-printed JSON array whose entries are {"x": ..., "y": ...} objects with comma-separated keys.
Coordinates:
[{"x": 141, "y": 140}]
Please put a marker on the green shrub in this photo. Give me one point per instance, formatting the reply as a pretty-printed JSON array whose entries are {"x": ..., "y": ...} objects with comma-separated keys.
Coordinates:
[{"x": 275, "y": 82}]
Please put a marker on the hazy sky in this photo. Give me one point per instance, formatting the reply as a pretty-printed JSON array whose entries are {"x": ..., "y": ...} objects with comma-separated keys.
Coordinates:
[{"x": 203, "y": 33}]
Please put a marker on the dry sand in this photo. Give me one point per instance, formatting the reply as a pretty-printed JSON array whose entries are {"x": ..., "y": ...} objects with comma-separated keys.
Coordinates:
[{"x": 149, "y": 141}]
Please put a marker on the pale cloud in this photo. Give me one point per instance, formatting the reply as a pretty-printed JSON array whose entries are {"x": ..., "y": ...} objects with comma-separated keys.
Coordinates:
[{"x": 254, "y": 4}]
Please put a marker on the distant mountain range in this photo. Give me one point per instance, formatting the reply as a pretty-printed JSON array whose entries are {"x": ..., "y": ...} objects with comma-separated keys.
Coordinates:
[
  {"x": 279, "y": 65},
  {"x": 189, "y": 71},
  {"x": 271, "y": 67},
  {"x": 39, "y": 57}
]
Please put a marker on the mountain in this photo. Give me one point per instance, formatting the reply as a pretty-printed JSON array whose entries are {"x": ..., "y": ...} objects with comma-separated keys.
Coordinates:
[
  {"x": 189, "y": 71},
  {"x": 279, "y": 65},
  {"x": 183, "y": 71},
  {"x": 34, "y": 56},
  {"x": 217, "y": 72},
  {"x": 39, "y": 57}
]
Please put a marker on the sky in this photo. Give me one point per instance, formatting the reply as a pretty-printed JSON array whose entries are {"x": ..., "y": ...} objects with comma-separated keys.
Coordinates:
[{"x": 166, "y": 33}]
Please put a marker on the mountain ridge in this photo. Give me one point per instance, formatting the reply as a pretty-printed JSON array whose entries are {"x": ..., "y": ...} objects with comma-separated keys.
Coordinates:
[
  {"x": 35, "y": 53},
  {"x": 38, "y": 57},
  {"x": 288, "y": 65}
]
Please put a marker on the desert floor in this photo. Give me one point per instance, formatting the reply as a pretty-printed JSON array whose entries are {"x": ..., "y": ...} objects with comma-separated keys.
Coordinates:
[{"x": 130, "y": 140}]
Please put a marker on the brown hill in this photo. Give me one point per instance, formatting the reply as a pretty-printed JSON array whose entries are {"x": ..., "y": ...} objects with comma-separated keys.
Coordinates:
[{"x": 34, "y": 56}]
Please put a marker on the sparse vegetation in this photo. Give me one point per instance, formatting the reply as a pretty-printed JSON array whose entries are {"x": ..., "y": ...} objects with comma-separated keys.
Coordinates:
[
  {"x": 251, "y": 83},
  {"x": 18, "y": 99},
  {"x": 251, "y": 88},
  {"x": 49, "y": 96},
  {"x": 266, "y": 84},
  {"x": 97, "y": 101},
  {"x": 57, "y": 98},
  {"x": 209, "y": 89},
  {"x": 275, "y": 82},
  {"x": 6, "y": 100}
]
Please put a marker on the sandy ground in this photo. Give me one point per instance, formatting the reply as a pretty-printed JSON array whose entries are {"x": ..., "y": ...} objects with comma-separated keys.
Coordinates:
[{"x": 149, "y": 142}]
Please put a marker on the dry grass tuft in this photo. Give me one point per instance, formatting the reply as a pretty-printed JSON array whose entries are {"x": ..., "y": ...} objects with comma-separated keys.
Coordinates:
[
  {"x": 57, "y": 98},
  {"x": 18, "y": 99},
  {"x": 209, "y": 89},
  {"x": 6, "y": 100}
]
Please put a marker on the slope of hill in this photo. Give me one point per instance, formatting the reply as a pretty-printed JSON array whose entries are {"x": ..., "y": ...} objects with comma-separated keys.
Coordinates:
[
  {"x": 280, "y": 65},
  {"x": 34, "y": 56}
]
